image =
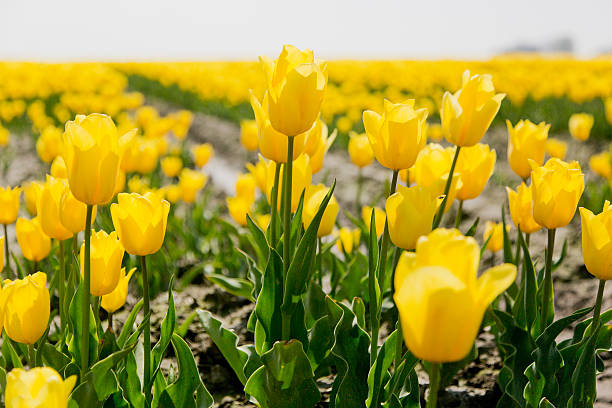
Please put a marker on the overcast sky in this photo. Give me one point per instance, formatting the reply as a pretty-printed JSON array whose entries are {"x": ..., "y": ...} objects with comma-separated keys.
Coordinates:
[{"x": 52, "y": 30}]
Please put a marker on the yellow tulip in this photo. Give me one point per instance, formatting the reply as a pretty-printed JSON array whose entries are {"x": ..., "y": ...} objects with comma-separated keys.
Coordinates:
[
  {"x": 313, "y": 197},
  {"x": 597, "y": 241},
  {"x": 248, "y": 135},
  {"x": 440, "y": 299},
  {"x": 39, "y": 387},
  {"x": 140, "y": 222},
  {"x": 73, "y": 213},
  {"x": 106, "y": 257},
  {"x": 496, "y": 232},
  {"x": 556, "y": 148},
  {"x": 397, "y": 135},
  {"x": 116, "y": 299},
  {"x": 359, "y": 149},
  {"x": 262, "y": 220},
  {"x": 49, "y": 144},
  {"x": 31, "y": 193},
  {"x": 238, "y": 209},
  {"x": 146, "y": 155},
  {"x": 556, "y": 188},
  {"x": 2, "y": 238},
  {"x": 301, "y": 177},
  {"x": 410, "y": 213},
  {"x": 316, "y": 159},
  {"x": 171, "y": 166},
  {"x": 49, "y": 208},
  {"x": 526, "y": 141},
  {"x": 182, "y": 123},
  {"x": 348, "y": 239},
  {"x": 315, "y": 136},
  {"x": 9, "y": 204},
  {"x": 608, "y": 109},
  {"x": 92, "y": 157},
  {"x": 273, "y": 144},
  {"x": 137, "y": 185},
  {"x": 174, "y": 193},
  {"x": 379, "y": 218},
  {"x": 434, "y": 132},
  {"x": 27, "y": 306},
  {"x": 601, "y": 164},
  {"x": 202, "y": 154},
  {"x": 259, "y": 171},
  {"x": 58, "y": 168},
  {"x": 580, "y": 125},
  {"x": 245, "y": 187},
  {"x": 521, "y": 208},
  {"x": 475, "y": 166},
  {"x": 34, "y": 243},
  {"x": 467, "y": 114},
  {"x": 120, "y": 182},
  {"x": 191, "y": 182},
  {"x": 5, "y": 136},
  {"x": 296, "y": 83}
]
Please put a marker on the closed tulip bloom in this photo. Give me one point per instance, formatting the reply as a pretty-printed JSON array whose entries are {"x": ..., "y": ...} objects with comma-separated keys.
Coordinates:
[
  {"x": 49, "y": 144},
  {"x": 467, "y": 114},
  {"x": 31, "y": 193},
  {"x": 556, "y": 188},
  {"x": 58, "y": 168},
  {"x": 173, "y": 193},
  {"x": 410, "y": 213},
  {"x": 348, "y": 239},
  {"x": 27, "y": 307},
  {"x": 313, "y": 198},
  {"x": 245, "y": 187},
  {"x": 521, "y": 208},
  {"x": 556, "y": 148},
  {"x": 73, "y": 213},
  {"x": 238, "y": 208},
  {"x": 9, "y": 204},
  {"x": 248, "y": 135},
  {"x": 526, "y": 141},
  {"x": 116, "y": 299},
  {"x": 147, "y": 155},
  {"x": 39, "y": 387},
  {"x": 171, "y": 166},
  {"x": 315, "y": 136},
  {"x": 272, "y": 143},
  {"x": 140, "y": 222},
  {"x": 495, "y": 231},
  {"x": 580, "y": 125},
  {"x": 263, "y": 220},
  {"x": 359, "y": 149},
  {"x": 259, "y": 171},
  {"x": 296, "y": 84},
  {"x": 475, "y": 166},
  {"x": 397, "y": 135},
  {"x": 379, "y": 218},
  {"x": 120, "y": 182},
  {"x": 106, "y": 257},
  {"x": 432, "y": 168},
  {"x": 34, "y": 243},
  {"x": 601, "y": 164},
  {"x": 202, "y": 154},
  {"x": 316, "y": 159},
  {"x": 440, "y": 298},
  {"x": 92, "y": 157},
  {"x": 301, "y": 177},
  {"x": 597, "y": 241},
  {"x": 49, "y": 206},
  {"x": 191, "y": 182}
]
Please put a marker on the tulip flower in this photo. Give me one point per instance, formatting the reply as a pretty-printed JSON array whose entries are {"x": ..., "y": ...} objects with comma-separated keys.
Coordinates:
[
  {"x": 173, "y": 193},
  {"x": 296, "y": 83},
  {"x": 92, "y": 157},
  {"x": 434, "y": 132},
  {"x": 440, "y": 298},
  {"x": 526, "y": 141},
  {"x": 313, "y": 197},
  {"x": 2, "y": 243},
  {"x": 317, "y": 155},
  {"x": 262, "y": 221},
  {"x": 556, "y": 148},
  {"x": 182, "y": 122},
  {"x": 5, "y": 136},
  {"x": 315, "y": 136},
  {"x": 300, "y": 179},
  {"x": 494, "y": 233},
  {"x": 245, "y": 187},
  {"x": 597, "y": 241},
  {"x": 601, "y": 164},
  {"x": 467, "y": 114},
  {"x": 116, "y": 299},
  {"x": 238, "y": 208},
  {"x": 191, "y": 182},
  {"x": 410, "y": 213},
  {"x": 106, "y": 257},
  {"x": 9, "y": 204},
  {"x": 521, "y": 209},
  {"x": 31, "y": 193},
  {"x": 49, "y": 208},
  {"x": 348, "y": 239},
  {"x": 580, "y": 125},
  {"x": 475, "y": 166},
  {"x": 359, "y": 149},
  {"x": 397, "y": 135},
  {"x": 146, "y": 155},
  {"x": 273, "y": 144},
  {"x": 202, "y": 154},
  {"x": 49, "y": 144},
  {"x": 39, "y": 387},
  {"x": 249, "y": 135},
  {"x": 259, "y": 171},
  {"x": 34, "y": 243},
  {"x": 556, "y": 188},
  {"x": 379, "y": 219},
  {"x": 120, "y": 182},
  {"x": 171, "y": 166},
  {"x": 27, "y": 307}
]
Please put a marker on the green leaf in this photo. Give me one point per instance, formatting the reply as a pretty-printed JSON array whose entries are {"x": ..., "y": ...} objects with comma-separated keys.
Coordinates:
[
  {"x": 128, "y": 326},
  {"x": 285, "y": 380},
  {"x": 269, "y": 300},
  {"x": 53, "y": 357},
  {"x": 236, "y": 286},
  {"x": 508, "y": 257},
  {"x": 472, "y": 230},
  {"x": 535, "y": 387},
  {"x": 258, "y": 240},
  {"x": 76, "y": 330},
  {"x": 379, "y": 369},
  {"x": 167, "y": 330},
  {"x": 131, "y": 383}
]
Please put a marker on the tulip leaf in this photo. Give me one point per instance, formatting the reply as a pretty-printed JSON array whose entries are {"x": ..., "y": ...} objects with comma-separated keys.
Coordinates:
[
  {"x": 535, "y": 387},
  {"x": 54, "y": 358},
  {"x": 130, "y": 382},
  {"x": 561, "y": 257},
  {"x": 236, "y": 286},
  {"x": 296, "y": 222},
  {"x": 180, "y": 393},
  {"x": 254, "y": 273},
  {"x": 226, "y": 342},
  {"x": 384, "y": 358},
  {"x": 508, "y": 257},
  {"x": 258, "y": 240},
  {"x": 472, "y": 230},
  {"x": 9, "y": 353},
  {"x": 2, "y": 380},
  {"x": 584, "y": 389},
  {"x": 76, "y": 330},
  {"x": 285, "y": 380},
  {"x": 544, "y": 403},
  {"x": 268, "y": 306},
  {"x": 167, "y": 329}
]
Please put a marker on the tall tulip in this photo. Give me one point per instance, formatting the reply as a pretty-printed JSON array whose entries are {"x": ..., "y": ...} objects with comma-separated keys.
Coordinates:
[
  {"x": 526, "y": 141},
  {"x": 248, "y": 135},
  {"x": 31, "y": 193},
  {"x": 313, "y": 197},
  {"x": 106, "y": 256},
  {"x": 521, "y": 208},
  {"x": 597, "y": 241},
  {"x": 556, "y": 148},
  {"x": 9, "y": 209},
  {"x": 359, "y": 149},
  {"x": 34, "y": 243},
  {"x": 601, "y": 164},
  {"x": 580, "y": 125},
  {"x": 494, "y": 234},
  {"x": 300, "y": 179},
  {"x": 191, "y": 182},
  {"x": 39, "y": 387},
  {"x": 475, "y": 166},
  {"x": 202, "y": 154},
  {"x": 348, "y": 239},
  {"x": 49, "y": 208}
]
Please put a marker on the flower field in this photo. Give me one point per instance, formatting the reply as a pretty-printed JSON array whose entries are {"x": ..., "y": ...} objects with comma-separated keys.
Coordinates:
[{"x": 302, "y": 233}]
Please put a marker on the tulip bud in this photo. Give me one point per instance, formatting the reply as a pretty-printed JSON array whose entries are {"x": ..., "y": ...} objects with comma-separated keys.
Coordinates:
[
  {"x": 140, "y": 222},
  {"x": 9, "y": 204},
  {"x": 359, "y": 149},
  {"x": 597, "y": 241},
  {"x": 260, "y": 172},
  {"x": 397, "y": 135},
  {"x": 202, "y": 154},
  {"x": 49, "y": 208},
  {"x": 440, "y": 298},
  {"x": 40, "y": 387},
  {"x": 601, "y": 164},
  {"x": 526, "y": 141},
  {"x": 245, "y": 187},
  {"x": 171, "y": 166},
  {"x": 248, "y": 135},
  {"x": 521, "y": 209},
  {"x": 556, "y": 148},
  {"x": 34, "y": 243},
  {"x": 182, "y": 122},
  {"x": 323, "y": 145},
  {"x": 467, "y": 114},
  {"x": 31, "y": 193},
  {"x": 191, "y": 182},
  {"x": 262, "y": 221},
  {"x": 494, "y": 232},
  {"x": 580, "y": 125},
  {"x": 106, "y": 256},
  {"x": 238, "y": 208},
  {"x": 379, "y": 219},
  {"x": 300, "y": 179},
  {"x": 26, "y": 305},
  {"x": 49, "y": 144},
  {"x": 313, "y": 197},
  {"x": 475, "y": 166},
  {"x": 348, "y": 239},
  {"x": 116, "y": 299}
]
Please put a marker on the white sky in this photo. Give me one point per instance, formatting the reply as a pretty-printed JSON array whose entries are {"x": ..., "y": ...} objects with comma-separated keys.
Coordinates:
[{"x": 52, "y": 30}]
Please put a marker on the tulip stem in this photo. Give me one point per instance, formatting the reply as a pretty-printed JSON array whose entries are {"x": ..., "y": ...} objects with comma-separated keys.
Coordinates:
[
  {"x": 147, "y": 332},
  {"x": 359, "y": 188},
  {"x": 62, "y": 286},
  {"x": 517, "y": 255},
  {"x": 286, "y": 318},
  {"x": 459, "y": 214},
  {"x": 274, "y": 206},
  {"x": 320, "y": 262},
  {"x": 434, "y": 385},
  {"x": 85, "y": 299},
  {"x": 32, "y": 356},
  {"x": 110, "y": 322},
  {"x": 548, "y": 277},
  {"x": 7, "y": 254},
  {"x": 597, "y": 310},
  {"x": 440, "y": 212}
]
